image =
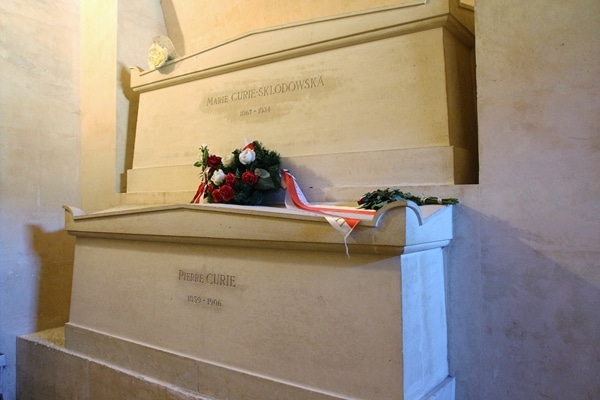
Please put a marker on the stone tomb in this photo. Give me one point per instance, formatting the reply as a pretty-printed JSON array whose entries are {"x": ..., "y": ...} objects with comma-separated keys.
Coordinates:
[
  {"x": 238, "y": 302},
  {"x": 365, "y": 100}
]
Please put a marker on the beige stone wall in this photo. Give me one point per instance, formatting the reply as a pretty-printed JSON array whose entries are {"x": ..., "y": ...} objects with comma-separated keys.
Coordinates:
[
  {"x": 98, "y": 103},
  {"x": 114, "y": 36},
  {"x": 529, "y": 308},
  {"x": 63, "y": 130},
  {"x": 39, "y": 167},
  {"x": 197, "y": 25}
]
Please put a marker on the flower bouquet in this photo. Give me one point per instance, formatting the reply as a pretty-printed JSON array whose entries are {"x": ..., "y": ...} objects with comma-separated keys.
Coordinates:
[{"x": 243, "y": 177}]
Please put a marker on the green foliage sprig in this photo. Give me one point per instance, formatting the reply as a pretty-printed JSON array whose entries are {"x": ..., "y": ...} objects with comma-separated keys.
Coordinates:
[{"x": 380, "y": 197}]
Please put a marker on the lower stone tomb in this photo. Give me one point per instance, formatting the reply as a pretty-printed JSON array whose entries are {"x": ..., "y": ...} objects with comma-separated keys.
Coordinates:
[{"x": 199, "y": 297}]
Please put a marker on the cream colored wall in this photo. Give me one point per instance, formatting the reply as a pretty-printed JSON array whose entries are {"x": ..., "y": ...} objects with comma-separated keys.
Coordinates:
[
  {"x": 197, "y": 25},
  {"x": 98, "y": 103},
  {"x": 55, "y": 111},
  {"x": 534, "y": 319},
  {"x": 39, "y": 167},
  {"x": 138, "y": 22},
  {"x": 114, "y": 36}
]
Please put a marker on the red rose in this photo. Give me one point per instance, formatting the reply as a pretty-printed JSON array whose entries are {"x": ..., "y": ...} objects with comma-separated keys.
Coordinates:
[
  {"x": 226, "y": 193},
  {"x": 216, "y": 196},
  {"x": 213, "y": 161},
  {"x": 230, "y": 179},
  {"x": 210, "y": 188},
  {"x": 249, "y": 178}
]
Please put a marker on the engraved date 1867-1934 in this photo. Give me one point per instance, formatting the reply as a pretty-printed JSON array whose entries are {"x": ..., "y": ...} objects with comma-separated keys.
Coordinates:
[{"x": 259, "y": 110}]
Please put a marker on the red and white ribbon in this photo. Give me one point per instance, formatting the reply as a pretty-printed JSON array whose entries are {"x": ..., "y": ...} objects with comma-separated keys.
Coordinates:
[
  {"x": 199, "y": 194},
  {"x": 344, "y": 219}
]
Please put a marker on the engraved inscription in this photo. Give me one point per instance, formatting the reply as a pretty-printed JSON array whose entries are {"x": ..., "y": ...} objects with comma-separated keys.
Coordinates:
[
  {"x": 210, "y": 278},
  {"x": 202, "y": 278},
  {"x": 213, "y": 101},
  {"x": 259, "y": 110},
  {"x": 208, "y": 301},
  {"x": 265, "y": 91}
]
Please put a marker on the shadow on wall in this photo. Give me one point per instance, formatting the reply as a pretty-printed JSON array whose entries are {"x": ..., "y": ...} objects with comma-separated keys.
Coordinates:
[
  {"x": 134, "y": 100},
  {"x": 521, "y": 324},
  {"x": 173, "y": 28},
  {"x": 55, "y": 252}
]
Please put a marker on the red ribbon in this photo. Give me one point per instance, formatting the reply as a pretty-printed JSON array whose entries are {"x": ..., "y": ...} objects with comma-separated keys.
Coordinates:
[{"x": 199, "y": 193}]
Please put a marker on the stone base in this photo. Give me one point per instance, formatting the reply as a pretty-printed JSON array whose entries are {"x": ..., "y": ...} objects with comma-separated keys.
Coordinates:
[
  {"x": 46, "y": 369},
  {"x": 428, "y": 166}
]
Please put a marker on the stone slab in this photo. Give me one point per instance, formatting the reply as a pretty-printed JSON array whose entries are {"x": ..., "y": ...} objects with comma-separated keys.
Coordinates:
[
  {"x": 259, "y": 318},
  {"x": 188, "y": 374},
  {"x": 327, "y": 324},
  {"x": 47, "y": 370},
  {"x": 381, "y": 95},
  {"x": 428, "y": 165}
]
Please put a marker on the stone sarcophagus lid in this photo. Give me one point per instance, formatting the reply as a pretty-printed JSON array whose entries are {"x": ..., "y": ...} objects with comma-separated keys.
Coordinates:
[{"x": 238, "y": 302}]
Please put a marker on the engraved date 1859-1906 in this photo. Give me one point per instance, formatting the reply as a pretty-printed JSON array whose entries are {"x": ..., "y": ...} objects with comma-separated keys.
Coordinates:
[{"x": 207, "y": 301}]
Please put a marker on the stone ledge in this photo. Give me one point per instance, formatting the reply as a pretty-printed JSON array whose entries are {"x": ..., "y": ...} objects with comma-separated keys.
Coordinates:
[
  {"x": 194, "y": 375},
  {"x": 398, "y": 228},
  {"x": 48, "y": 370}
]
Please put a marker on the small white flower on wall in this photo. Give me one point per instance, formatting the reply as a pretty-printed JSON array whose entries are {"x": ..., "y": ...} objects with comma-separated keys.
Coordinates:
[{"x": 161, "y": 50}]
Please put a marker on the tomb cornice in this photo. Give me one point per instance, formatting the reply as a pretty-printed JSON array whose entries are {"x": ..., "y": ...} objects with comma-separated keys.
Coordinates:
[
  {"x": 296, "y": 40},
  {"x": 398, "y": 228}
]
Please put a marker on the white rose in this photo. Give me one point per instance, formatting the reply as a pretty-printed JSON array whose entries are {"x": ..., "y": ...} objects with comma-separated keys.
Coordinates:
[
  {"x": 218, "y": 177},
  {"x": 247, "y": 156},
  {"x": 229, "y": 160},
  {"x": 157, "y": 56}
]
